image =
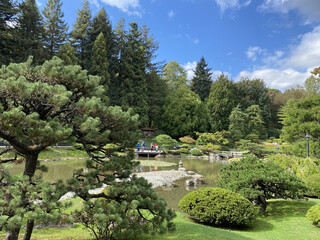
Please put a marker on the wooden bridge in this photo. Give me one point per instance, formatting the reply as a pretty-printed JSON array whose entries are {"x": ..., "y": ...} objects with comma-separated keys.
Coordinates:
[{"x": 148, "y": 151}]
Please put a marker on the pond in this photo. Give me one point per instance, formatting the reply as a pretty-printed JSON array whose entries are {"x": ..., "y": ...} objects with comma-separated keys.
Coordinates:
[{"x": 209, "y": 169}]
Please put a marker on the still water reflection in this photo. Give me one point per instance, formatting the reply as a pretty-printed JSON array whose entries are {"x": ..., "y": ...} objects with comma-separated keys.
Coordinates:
[{"x": 63, "y": 169}]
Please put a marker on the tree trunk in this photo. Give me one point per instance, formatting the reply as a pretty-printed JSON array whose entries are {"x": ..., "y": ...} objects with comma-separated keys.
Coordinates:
[
  {"x": 29, "y": 229},
  {"x": 13, "y": 234},
  {"x": 263, "y": 204},
  {"x": 31, "y": 164}
]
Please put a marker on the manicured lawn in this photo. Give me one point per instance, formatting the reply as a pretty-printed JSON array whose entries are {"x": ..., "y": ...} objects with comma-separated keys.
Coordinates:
[{"x": 285, "y": 219}]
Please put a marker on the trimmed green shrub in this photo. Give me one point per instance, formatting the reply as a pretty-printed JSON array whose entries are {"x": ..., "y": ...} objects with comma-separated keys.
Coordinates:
[
  {"x": 216, "y": 147},
  {"x": 187, "y": 139},
  {"x": 218, "y": 206},
  {"x": 269, "y": 141},
  {"x": 253, "y": 137},
  {"x": 195, "y": 152},
  {"x": 313, "y": 185},
  {"x": 313, "y": 215},
  {"x": 184, "y": 150}
]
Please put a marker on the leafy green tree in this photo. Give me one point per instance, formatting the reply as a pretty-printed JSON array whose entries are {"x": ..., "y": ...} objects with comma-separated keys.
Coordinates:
[
  {"x": 254, "y": 92},
  {"x": 312, "y": 86},
  {"x": 201, "y": 82},
  {"x": 8, "y": 11},
  {"x": 184, "y": 113},
  {"x": 133, "y": 75},
  {"x": 99, "y": 62},
  {"x": 174, "y": 75},
  {"x": 259, "y": 181},
  {"x": 67, "y": 54},
  {"x": 217, "y": 138},
  {"x": 221, "y": 101},
  {"x": 255, "y": 121},
  {"x": 30, "y": 33},
  {"x": 43, "y": 105},
  {"x": 166, "y": 141},
  {"x": 55, "y": 27},
  {"x": 300, "y": 118},
  {"x": 238, "y": 123},
  {"x": 80, "y": 34}
]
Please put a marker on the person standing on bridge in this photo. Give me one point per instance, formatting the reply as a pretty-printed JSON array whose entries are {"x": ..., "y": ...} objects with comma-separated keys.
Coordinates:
[
  {"x": 152, "y": 146},
  {"x": 138, "y": 146},
  {"x": 156, "y": 146}
]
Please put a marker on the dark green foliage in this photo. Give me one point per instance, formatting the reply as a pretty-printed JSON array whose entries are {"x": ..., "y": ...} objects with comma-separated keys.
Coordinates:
[
  {"x": 255, "y": 121},
  {"x": 238, "y": 123},
  {"x": 23, "y": 200},
  {"x": 30, "y": 33},
  {"x": 157, "y": 92},
  {"x": 221, "y": 101},
  {"x": 313, "y": 215},
  {"x": 7, "y": 40},
  {"x": 80, "y": 34},
  {"x": 55, "y": 27},
  {"x": 184, "y": 113},
  {"x": 127, "y": 210},
  {"x": 67, "y": 54},
  {"x": 195, "y": 152},
  {"x": 253, "y": 137},
  {"x": 218, "y": 207},
  {"x": 259, "y": 181},
  {"x": 313, "y": 185},
  {"x": 300, "y": 118},
  {"x": 133, "y": 75},
  {"x": 166, "y": 141},
  {"x": 201, "y": 82},
  {"x": 99, "y": 63}
]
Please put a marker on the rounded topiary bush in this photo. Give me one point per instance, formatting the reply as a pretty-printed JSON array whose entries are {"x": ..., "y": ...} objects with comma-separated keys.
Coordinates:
[
  {"x": 313, "y": 215},
  {"x": 313, "y": 184},
  {"x": 184, "y": 150},
  {"x": 195, "y": 152},
  {"x": 218, "y": 206}
]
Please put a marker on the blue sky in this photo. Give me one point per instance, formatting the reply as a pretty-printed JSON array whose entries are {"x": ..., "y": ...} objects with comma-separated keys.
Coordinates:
[{"x": 276, "y": 40}]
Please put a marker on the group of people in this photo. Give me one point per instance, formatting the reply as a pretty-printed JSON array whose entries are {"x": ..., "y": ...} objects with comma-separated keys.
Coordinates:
[{"x": 152, "y": 146}]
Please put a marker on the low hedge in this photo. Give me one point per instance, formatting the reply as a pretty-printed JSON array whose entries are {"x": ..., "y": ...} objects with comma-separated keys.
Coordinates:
[
  {"x": 184, "y": 150},
  {"x": 313, "y": 215},
  {"x": 218, "y": 206},
  {"x": 195, "y": 152}
]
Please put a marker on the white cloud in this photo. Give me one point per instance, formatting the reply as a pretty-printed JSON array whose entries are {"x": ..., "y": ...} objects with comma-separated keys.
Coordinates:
[
  {"x": 196, "y": 41},
  {"x": 128, "y": 6},
  {"x": 171, "y": 14},
  {"x": 225, "y": 4},
  {"x": 308, "y": 8},
  {"x": 95, "y": 3},
  {"x": 276, "y": 78},
  {"x": 284, "y": 70},
  {"x": 190, "y": 67}
]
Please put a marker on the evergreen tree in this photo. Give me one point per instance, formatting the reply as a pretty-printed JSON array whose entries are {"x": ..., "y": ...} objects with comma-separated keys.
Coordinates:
[
  {"x": 157, "y": 92},
  {"x": 255, "y": 121},
  {"x": 115, "y": 81},
  {"x": 221, "y": 101},
  {"x": 30, "y": 32},
  {"x": 7, "y": 40},
  {"x": 151, "y": 46},
  {"x": 201, "y": 82},
  {"x": 312, "y": 86},
  {"x": 184, "y": 113},
  {"x": 133, "y": 75},
  {"x": 80, "y": 34},
  {"x": 238, "y": 123},
  {"x": 55, "y": 27},
  {"x": 99, "y": 62},
  {"x": 67, "y": 54}
]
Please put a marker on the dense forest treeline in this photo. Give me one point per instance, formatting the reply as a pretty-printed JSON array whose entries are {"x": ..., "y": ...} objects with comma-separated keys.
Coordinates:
[{"x": 124, "y": 56}]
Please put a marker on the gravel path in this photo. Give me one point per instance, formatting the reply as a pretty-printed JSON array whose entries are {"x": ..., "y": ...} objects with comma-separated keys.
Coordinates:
[{"x": 165, "y": 178}]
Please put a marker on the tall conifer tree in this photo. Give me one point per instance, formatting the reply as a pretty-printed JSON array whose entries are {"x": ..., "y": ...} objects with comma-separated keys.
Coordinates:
[
  {"x": 99, "y": 62},
  {"x": 55, "y": 27},
  {"x": 80, "y": 34},
  {"x": 133, "y": 75},
  {"x": 30, "y": 32},
  {"x": 67, "y": 54},
  {"x": 201, "y": 82},
  {"x": 8, "y": 11}
]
